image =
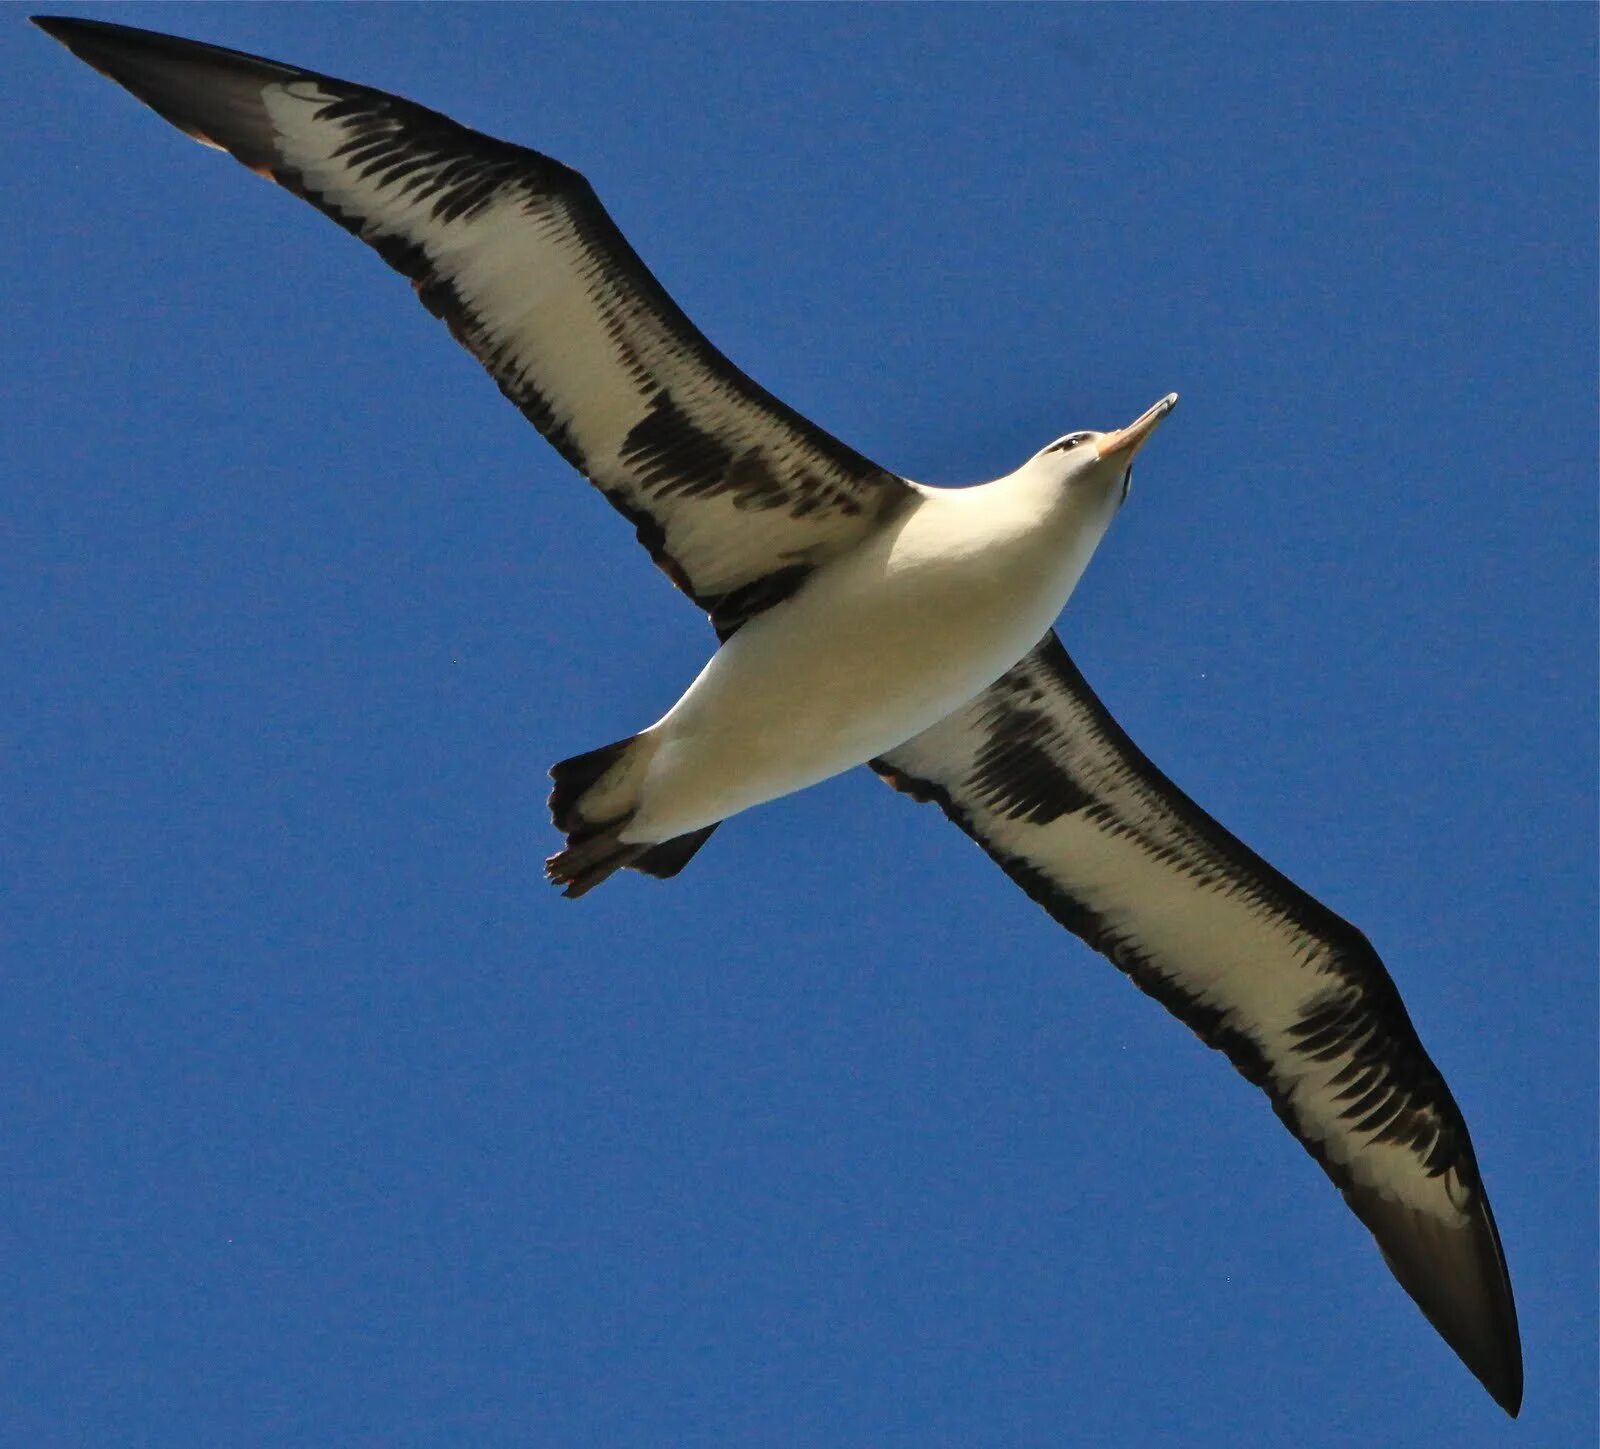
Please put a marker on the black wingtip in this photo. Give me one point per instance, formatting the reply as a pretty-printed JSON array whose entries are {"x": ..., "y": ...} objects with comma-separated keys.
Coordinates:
[
  {"x": 1456, "y": 1274},
  {"x": 59, "y": 27},
  {"x": 78, "y": 34},
  {"x": 211, "y": 93}
]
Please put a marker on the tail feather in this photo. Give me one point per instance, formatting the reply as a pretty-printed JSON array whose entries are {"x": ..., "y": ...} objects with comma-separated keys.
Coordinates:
[
  {"x": 574, "y": 778},
  {"x": 668, "y": 858},
  {"x": 594, "y": 798}
]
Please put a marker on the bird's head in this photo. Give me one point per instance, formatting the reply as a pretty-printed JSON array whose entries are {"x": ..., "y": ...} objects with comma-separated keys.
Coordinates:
[{"x": 1095, "y": 464}]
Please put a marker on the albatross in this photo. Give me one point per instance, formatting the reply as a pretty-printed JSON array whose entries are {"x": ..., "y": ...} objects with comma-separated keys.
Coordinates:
[{"x": 865, "y": 619}]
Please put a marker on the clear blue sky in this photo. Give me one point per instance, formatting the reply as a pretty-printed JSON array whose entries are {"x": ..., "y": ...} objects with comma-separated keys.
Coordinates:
[{"x": 324, "y": 1121}]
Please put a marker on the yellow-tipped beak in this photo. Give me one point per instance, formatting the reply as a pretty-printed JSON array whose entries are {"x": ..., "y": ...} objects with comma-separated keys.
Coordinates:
[{"x": 1125, "y": 442}]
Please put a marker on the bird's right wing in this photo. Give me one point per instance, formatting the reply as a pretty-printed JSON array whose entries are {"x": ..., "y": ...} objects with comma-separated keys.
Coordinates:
[
  {"x": 1039, "y": 774},
  {"x": 735, "y": 495}
]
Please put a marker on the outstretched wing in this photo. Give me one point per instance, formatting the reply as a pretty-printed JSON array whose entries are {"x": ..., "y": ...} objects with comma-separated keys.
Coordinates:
[
  {"x": 736, "y": 496},
  {"x": 1039, "y": 774}
]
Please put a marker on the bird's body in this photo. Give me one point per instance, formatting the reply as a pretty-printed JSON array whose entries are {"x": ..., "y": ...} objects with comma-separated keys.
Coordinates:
[
  {"x": 878, "y": 644},
  {"x": 863, "y": 617}
]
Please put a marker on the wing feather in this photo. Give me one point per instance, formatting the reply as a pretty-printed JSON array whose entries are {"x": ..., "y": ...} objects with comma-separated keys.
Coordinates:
[
  {"x": 1039, "y": 774},
  {"x": 734, "y": 494}
]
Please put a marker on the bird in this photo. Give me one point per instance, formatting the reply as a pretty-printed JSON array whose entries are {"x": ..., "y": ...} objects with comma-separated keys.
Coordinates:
[{"x": 865, "y": 619}]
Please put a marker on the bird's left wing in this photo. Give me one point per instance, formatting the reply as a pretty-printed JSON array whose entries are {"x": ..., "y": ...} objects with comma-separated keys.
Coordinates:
[
  {"x": 735, "y": 495},
  {"x": 1039, "y": 774}
]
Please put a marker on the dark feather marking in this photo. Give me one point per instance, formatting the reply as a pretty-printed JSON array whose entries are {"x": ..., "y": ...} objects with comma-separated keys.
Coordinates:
[
  {"x": 728, "y": 611},
  {"x": 665, "y": 860},
  {"x": 1016, "y": 777},
  {"x": 672, "y": 455},
  {"x": 1363, "y": 1006},
  {"x": 460, "y": 170},
  {"x": 1346, "y": 1022},
  {"x": 754, "y": 485}
]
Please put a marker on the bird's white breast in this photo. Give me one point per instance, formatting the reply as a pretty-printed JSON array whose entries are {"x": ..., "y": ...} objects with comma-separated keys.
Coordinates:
[{"x": 878, "y": 645}]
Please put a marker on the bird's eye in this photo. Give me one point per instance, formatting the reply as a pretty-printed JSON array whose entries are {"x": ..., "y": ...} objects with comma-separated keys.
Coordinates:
[{"x": 1067, "y": 444}]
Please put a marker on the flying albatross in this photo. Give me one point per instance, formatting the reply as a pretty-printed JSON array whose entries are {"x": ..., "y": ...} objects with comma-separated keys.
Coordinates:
[{"x": 863, "y": 618}]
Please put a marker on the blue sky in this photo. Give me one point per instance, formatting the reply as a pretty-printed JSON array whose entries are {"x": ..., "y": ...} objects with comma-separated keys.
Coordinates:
[{"x": 326, "y": 1122}]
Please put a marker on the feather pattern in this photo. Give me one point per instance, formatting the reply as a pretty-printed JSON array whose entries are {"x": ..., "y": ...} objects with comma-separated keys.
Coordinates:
[
  {"x": 733, "y": 494},
  {"x": 1039, "y": 774}
]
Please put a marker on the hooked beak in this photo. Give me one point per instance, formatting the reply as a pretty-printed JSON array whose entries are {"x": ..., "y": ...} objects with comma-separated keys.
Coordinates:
[{"x": 1125, "y": 442}]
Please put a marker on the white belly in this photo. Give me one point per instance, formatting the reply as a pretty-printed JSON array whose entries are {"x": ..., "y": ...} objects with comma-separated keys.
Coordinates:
[{"x": 877, "y": 646}]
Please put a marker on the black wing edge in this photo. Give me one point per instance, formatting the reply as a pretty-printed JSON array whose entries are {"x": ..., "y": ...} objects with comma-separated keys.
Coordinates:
[
  {"x": 159, "y": 70},
  {"x": 1457, "y": 1276}
]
